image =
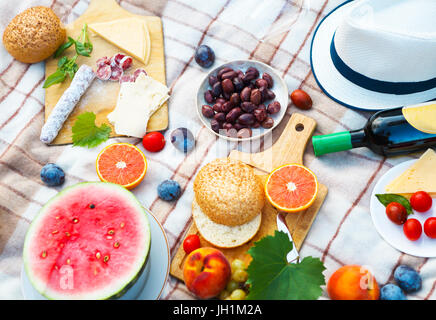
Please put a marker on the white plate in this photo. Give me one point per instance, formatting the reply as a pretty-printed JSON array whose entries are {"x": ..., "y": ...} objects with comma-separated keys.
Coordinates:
[
  {"x": 392, "y": 233},
  {"x": 280, "y": 89},
  {"x": 151, "y": 282}
]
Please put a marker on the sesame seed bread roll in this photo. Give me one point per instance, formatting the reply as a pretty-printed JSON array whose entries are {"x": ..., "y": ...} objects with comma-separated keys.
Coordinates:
[
  {"x": 223, "y": 236},
  {"x": 34, "y": 35},
  {"x": 229, "y": 192}
]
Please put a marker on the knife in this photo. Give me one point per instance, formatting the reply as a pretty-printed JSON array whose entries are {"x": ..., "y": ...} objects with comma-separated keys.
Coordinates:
[{"x": 293, "y": 256}]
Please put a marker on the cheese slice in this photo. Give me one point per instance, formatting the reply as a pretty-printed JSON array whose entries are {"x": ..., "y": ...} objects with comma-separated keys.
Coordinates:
[
  {"x": 130, "y": 35},
  {"x": 421, "y": 176},
  {"x": 137, "y": 101}
]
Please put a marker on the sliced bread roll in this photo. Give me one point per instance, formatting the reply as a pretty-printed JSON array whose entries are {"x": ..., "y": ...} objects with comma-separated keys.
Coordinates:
[{"x": 221, "y": 235}]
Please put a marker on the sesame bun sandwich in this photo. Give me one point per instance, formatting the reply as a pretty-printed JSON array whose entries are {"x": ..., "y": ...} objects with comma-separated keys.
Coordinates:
[{"x": 228, "y": 202}]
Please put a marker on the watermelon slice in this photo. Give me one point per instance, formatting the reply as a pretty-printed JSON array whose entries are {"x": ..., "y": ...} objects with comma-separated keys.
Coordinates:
[{"x": 91, "y": 241}]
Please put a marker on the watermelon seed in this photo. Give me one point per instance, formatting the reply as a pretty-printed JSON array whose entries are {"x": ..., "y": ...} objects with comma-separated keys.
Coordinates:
[
  {"x": 92, "y": 206},
  {"x": 98, "y": 255},
  {"x": 106, "y": 259},
  {"x": 54, "y": 232},
  {"x": 109, "y": 237},
  {"x": 116, "y": 244},
  {"x": 44, "y": 254},
  {"x": 68, "y": 261},
  {"x": 111, "y": 231},
  {"x": 122, "y": 224},
  {"x": 75, "y": 220},
  {"x": 61, "y": 245},
  {"x": 67, "y": 234}
]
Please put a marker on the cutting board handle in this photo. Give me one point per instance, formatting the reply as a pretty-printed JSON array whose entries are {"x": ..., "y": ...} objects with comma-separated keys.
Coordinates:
[{"x": 289, "y": 148}]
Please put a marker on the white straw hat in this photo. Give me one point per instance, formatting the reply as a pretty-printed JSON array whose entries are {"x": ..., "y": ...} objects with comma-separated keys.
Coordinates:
[{"x": 377, "y": 54}]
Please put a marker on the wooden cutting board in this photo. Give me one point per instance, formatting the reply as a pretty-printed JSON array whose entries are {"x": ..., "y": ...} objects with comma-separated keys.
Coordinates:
[
  {"x": 289, "y": 148},
  {"x": 101, "y": 96}
]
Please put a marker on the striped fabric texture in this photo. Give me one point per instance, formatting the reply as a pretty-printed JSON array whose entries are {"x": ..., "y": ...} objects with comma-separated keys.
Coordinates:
[{"x": 342, "y": 233}]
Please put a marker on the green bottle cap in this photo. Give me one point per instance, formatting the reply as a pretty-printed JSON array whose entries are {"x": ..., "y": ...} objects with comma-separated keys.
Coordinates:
[{"x": 330, "y": 143}]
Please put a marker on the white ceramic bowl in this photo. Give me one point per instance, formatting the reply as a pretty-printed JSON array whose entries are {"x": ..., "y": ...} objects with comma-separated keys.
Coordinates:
[{"x": 280, "y": 89}]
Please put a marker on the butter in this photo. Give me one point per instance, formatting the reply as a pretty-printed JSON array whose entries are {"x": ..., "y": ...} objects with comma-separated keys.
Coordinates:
[
  {"x": 137, "y": 101},
  {"x": 421, "y": 176},
  {"x": 130, "y": 35}
]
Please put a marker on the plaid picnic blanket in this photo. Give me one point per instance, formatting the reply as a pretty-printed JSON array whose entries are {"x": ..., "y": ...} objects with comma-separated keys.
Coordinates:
[{"x": 342, "y": 233}]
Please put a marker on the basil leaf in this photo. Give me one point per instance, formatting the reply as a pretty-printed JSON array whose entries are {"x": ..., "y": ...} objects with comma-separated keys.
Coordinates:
[
  {"x": 57, "y": 77},
  {"x": 64, "y": 47},
  {"x": 82, "y": 50},
  {"x": 62, "y": 62},
  {"x": 387, "y": 198}
]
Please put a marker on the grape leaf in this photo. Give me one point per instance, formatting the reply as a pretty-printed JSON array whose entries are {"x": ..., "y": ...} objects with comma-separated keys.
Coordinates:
[
  {"x": 86, "y": 133},
  {"x": 271, "y": 277}
]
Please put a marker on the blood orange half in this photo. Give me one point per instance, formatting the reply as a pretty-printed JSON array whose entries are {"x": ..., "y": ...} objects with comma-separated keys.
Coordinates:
[
  {"x": 123, "y": 164},
  {"x": 291, "y": 188}
]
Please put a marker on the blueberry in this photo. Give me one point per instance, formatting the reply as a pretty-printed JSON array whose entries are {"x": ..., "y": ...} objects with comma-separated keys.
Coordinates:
[
  {"x": 183, "y": 139},
  {"x": 204, "y": 56},
  {"x": 169, "y": 190},
  {"x": 52, "y": 175},
  {"x": 391, "y": 292},
  {"x": 407, "y": 278}
]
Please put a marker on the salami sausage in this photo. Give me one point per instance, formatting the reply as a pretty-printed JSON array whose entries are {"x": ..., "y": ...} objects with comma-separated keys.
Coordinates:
[
  {"x": 104, "y": 72},
  {"x": 81, "y": 82}
]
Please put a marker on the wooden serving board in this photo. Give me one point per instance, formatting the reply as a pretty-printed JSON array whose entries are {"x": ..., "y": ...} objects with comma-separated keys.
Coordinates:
[
  {"x": 101, "y": 97},
  {"x": 288, "y": 149}
]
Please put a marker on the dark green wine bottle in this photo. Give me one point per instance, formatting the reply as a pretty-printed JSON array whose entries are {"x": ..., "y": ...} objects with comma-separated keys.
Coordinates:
[{"x": 386, "y": 133}]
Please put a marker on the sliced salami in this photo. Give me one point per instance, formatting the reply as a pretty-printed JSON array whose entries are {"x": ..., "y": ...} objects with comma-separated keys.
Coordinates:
[
  {"x": 103, "y": 61},
  {"x": 127, "y": 78},
  {"x": 117, "y": 73},
  {"x": 104, "y": 72},
  {"x": 138, "y": 72},
  {"x": 126, "y": 62}
]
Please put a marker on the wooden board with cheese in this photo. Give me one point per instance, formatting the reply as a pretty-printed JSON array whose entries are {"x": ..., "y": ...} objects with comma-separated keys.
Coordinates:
[{"x": 146, "y": 47}]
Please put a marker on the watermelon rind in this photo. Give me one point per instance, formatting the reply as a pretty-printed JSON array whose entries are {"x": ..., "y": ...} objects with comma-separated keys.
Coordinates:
[{"x": 120, "y": 289}]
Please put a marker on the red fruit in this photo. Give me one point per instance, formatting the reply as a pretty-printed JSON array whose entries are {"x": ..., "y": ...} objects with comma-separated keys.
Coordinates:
[
  {"x": 301, "y": 99},
  {"x": 412, "y": 229},
  {"x": 430, "y": 227},
  {"x": 421, "y": 201},
  {"x": 396, "y": 213},
  {"x": 191, "y": 243},
  {"x": 153, "y": 141}
]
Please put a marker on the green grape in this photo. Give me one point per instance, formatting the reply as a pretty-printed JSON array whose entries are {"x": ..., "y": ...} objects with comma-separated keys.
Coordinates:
[
  {"x": 238, "y": 294},
  {"x": 238, "y": 264},
  {"x": 224, "y": 294},
  {"x": 240, "y": 276},
  {"x": 232, "y": 285}
]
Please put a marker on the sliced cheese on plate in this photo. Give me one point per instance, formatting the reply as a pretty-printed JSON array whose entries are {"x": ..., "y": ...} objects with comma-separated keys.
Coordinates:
[
  {"x": 421, "y": 176},
  {"x": 137, "y": 101},
  {"x": 129, "y": 34}
]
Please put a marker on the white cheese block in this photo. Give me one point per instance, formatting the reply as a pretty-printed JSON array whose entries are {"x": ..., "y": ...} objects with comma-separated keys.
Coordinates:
[
  {"x": 137, "y": 101},
  {"x": 421, "y": 176}
]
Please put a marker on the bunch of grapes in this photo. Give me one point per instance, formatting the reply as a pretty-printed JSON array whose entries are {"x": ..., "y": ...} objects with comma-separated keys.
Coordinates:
[{"x": 236, "y": 289}]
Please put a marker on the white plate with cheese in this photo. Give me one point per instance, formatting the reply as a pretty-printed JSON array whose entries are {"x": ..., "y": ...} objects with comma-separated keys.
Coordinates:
[{"x": 406, "y": 178}]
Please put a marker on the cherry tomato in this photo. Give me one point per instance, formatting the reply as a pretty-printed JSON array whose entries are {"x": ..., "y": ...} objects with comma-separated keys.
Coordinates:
[
  {"x": 153, "y": 141},
  {"x": 421, "y": 201},
  {"x": 191, "y": 243},
  {"x": 412, "y": 229},
  {"x": 396, "y": 213},
  {"x": 430, "y": 227}
]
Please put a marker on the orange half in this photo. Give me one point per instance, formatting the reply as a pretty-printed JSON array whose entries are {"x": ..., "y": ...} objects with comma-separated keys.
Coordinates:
[
  {"x": 123, "y": 164},
  {"x": 291, "y": 188}
]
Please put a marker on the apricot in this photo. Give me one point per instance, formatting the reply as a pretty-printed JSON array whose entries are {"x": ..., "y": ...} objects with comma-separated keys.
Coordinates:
[
  {"x": 206, "y": 272},
  {"x": 352, "y": 282}
]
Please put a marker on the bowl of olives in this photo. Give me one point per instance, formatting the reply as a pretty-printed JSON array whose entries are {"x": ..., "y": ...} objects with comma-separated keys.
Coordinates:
[{"x": 242, "y": 100}]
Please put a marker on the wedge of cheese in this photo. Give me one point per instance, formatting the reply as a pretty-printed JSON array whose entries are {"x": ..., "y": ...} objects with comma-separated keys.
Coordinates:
[
  {"x": 421, "y": 176},
  {"x": 137, "y": 101},
  {"x": 130, "y": 35}
]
